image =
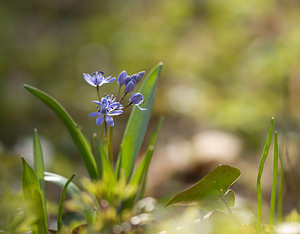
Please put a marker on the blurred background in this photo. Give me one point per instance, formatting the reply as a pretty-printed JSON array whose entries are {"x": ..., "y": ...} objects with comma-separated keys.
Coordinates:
[{"x": 229, "y": 66}]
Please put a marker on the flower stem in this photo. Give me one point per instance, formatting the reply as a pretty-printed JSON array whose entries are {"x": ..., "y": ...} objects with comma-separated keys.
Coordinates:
[
  {"x": 123, "y": 96},
  {"x": 108, "y": 142},
  {"x": 98, "y": 93}
]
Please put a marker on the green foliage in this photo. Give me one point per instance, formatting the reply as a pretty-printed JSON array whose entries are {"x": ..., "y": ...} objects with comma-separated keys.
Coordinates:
[
  {"x": 38, "y": 161},
  {"x": 209, "y": 193},
  {"x": 274, "y": 182},
  {"x": 59, "y": 180},
  {"x": 79, "y": 139},
  {"x": 104, "y": 167},
  {"x": 139, "y": 177},
  {"x": 260, "y": 171},
  {"x": 33, "y": 199},
  {"x": 61, "y": 203},
  {"x": 136, "y": 126}
]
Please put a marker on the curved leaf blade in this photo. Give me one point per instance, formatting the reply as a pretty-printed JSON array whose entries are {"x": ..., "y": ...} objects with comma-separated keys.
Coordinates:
[
  {"x": 78, "y": 138},
  {"x": 209, "y": 191},
  {"x": 61, "y": 203},
  {"x": 137, "y": 125},
  {"x": 33, "y": 199},
  {"x": 260, "y": 171},
  {"x": 140, "y": 175},
  {"x": 59, "y": 180},
  {"x": 39, "y": 164}
]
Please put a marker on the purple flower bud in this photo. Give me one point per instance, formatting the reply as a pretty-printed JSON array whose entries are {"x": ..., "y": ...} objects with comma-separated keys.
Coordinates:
[
  {"x": 122, "y": 77},
  {"x": 141, "y": 74},
  {"x": 134, "y": 79},
  {"x": 127, "y": 79},
  {"x": 137, "y": 99},
  {"x": 130, "y": 87}
]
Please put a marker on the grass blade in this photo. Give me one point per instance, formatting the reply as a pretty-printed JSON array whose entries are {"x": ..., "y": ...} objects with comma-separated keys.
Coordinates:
[
  {"x": 33, "y": 199},
  {"x": 280, "y": 195},
  {"x": 274, "y": 182},
  {"x": 78, "y": 138},
  {"x": 39, "y": 164},
  {"x": 137, "y": 125},
  {"x": 61, "y": 203},
  {"x": 260, "y": 171},
  {"x": 59, "y": 180}
]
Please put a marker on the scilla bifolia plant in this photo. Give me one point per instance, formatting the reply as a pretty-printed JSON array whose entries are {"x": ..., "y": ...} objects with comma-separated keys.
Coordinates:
[
  {"x": 110, "y": 200},
  {"x": 110, "y": 194}
]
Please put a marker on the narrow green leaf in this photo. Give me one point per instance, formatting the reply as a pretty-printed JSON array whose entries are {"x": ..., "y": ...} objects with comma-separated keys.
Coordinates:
[
  {"x": 140, "y": 176},
  {"x": 59, "y": 180},
  {"x": 39, "y": 164},
  {"x": 104, "y": 166},
  {"x": 137, "y": 125},
  {"x": 80, "y": 141},
  {"x": 210, "y": 190},
  {"x": 33, "y": 199},
  {"x": 274, "y": 181},
  {"x": 260, "y": 171},
  {"x": 280, "y": 195},
  {"x": 61, "y": 204}
]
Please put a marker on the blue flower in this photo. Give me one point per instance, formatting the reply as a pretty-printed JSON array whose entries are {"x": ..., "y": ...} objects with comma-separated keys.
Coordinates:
[
  {"x": 137, "y": 99},
  {"x": 130, "y": 87},
  {"x": 97, "y": 78},
  {"x": 107, "y": 108}
]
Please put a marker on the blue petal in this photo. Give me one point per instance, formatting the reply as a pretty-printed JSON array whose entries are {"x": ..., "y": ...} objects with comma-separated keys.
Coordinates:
[
  {"x": 115, "y": 112},
  {"x": 99, "y": 120},
  {"x": 111, "y": 80},
  {"x": 109, "y": 120},
  {"x": 89, "y": 79},
  {"x": 97, "y": 102},
  {"x": 94, "y": 114},
  {"x": 142, "y": 109},
  {"x": 121, "y": 78}
]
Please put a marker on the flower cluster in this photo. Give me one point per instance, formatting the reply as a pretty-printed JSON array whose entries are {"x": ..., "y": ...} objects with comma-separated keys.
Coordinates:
[{"x": 109, "y": 106}]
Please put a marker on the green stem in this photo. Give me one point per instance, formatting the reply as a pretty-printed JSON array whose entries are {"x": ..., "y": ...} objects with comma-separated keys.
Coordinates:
[
  {"x": 108, "y": 143},
  {"x": 98, "y": 93}
]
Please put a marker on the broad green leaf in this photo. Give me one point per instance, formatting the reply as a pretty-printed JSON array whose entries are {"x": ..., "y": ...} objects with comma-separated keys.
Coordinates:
[
  {"x": 59, "y": 180},
  {"x": 274, "y": 181},
  {"x": 260, "y": 171},
  {"x": 140, "y": 175},
  {"x": 39, "y": 164},
  {"x": 137, "y": 125},
  {"x": 80, "y": 141},
  {"x": 33, "y": 199},
  {"x": 210, "y": 190},
  {"x": 104, "y": 166},
  {"x": 61, "y": 203}
]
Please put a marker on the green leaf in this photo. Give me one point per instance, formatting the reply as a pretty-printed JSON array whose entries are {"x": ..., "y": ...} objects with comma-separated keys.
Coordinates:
[
  {"x": 61, "y": 203},
  {"x": 274, "y": 181},
  {"x": 137, "y": 125},
  {"x": 281, "y": 186},
  {"x": 140, "y": 175},
  {"x": 105, "y": 169},
  {"x": 33, "y": 199},
  {"x": 80, "y": 141},
  {"x": 39, "y": 164},
  {"x": 260, "y": 171},
  {"x": 210, "y": 190},
  {"x": 59, "y": 180}
]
